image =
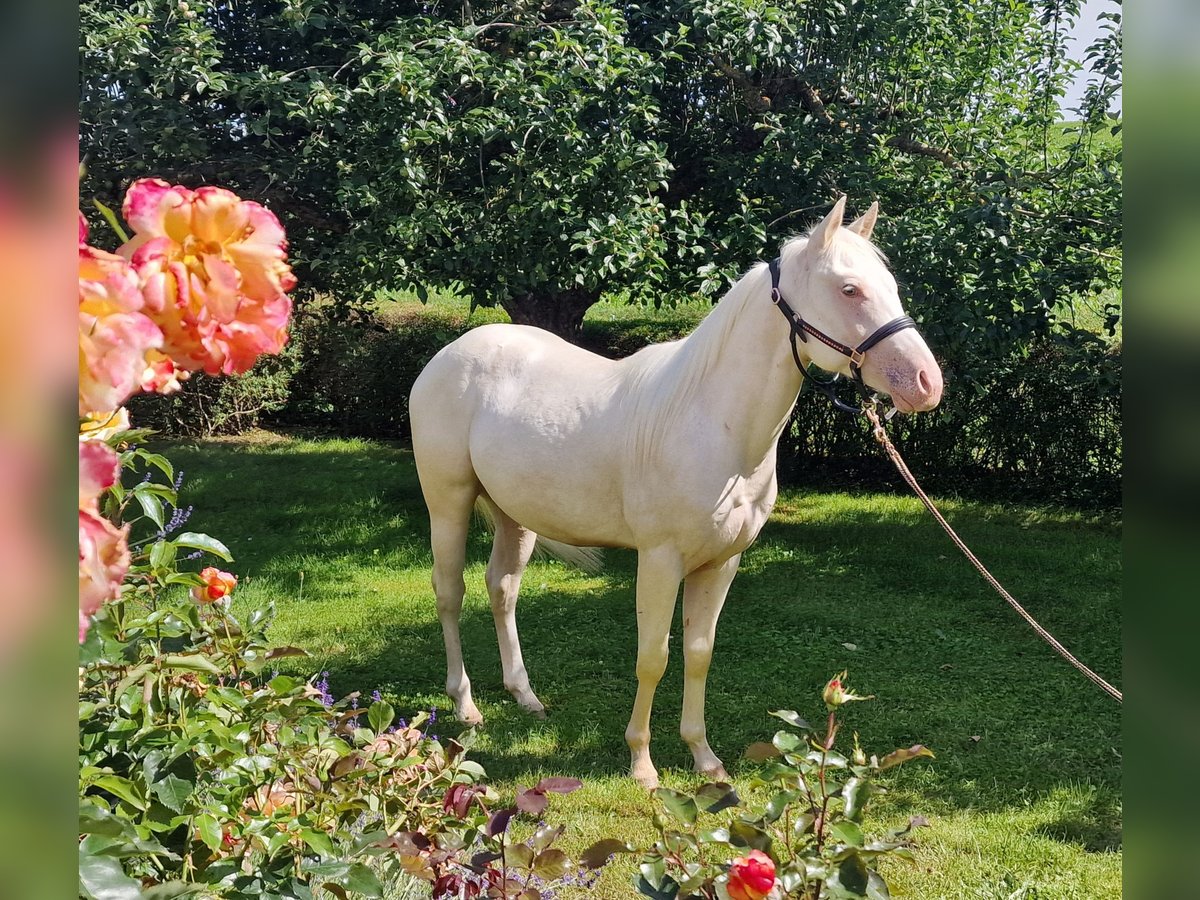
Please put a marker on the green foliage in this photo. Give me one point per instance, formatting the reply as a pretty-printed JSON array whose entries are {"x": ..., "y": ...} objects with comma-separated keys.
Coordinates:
[
  {"x": 811, "y": 825},
  {"x": 399, "y": 145},
  {"x": 205, "y": 773},
  {"x": 538, "y": 156},
  {"x": 1043, "y": 425}
]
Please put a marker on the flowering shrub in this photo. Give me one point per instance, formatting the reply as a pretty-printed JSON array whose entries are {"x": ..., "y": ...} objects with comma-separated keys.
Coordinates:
[
  {"x": 202, "y": 284},
  {"x": 203, "y": 772},
  {"x": 806, "y": 842}
]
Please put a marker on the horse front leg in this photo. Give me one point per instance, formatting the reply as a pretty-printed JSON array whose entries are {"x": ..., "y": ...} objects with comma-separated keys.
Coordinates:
[
  {"x": 704, "y": 594},
  {"x": 659, "y": 572}
]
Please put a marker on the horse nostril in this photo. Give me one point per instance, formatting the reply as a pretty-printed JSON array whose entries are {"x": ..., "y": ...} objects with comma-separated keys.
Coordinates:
[{"x": 923, "y": 382}]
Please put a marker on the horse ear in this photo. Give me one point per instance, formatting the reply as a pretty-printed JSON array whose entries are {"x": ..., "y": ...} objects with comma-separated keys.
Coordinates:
[
  {"x": 865, "y": 224},
  {"x": 824, "y": 233}
]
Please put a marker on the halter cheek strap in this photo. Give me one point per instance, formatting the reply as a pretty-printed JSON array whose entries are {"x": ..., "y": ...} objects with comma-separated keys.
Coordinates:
[{"x": 802, "y": 329}]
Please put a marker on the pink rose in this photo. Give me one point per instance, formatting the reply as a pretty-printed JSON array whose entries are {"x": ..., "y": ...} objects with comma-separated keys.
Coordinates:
[
  {"x": 114, "y": 334},
  {"x": 214, "y": 271},
  {"x": 103, "y": 552},
  {"x": 161, "y": 375}
]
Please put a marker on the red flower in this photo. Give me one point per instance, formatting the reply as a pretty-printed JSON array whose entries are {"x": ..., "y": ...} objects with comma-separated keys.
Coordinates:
[
  {"x": 751, "y": 877},
  {"x": 217, "y": 585}
]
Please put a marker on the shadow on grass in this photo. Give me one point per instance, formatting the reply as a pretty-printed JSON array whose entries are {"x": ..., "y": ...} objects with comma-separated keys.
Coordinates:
[{"x": 864, "y": 583}]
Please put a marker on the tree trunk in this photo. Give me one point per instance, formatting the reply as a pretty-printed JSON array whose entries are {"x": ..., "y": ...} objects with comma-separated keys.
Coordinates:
[{"x": 560, "y": 314}]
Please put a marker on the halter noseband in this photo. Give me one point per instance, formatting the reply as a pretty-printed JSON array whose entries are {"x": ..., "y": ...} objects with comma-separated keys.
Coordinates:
[{"x": 802, "y": 329}]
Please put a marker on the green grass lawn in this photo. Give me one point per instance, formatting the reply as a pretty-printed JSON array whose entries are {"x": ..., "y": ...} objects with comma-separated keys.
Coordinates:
[{"x": 1023, "y": 798}]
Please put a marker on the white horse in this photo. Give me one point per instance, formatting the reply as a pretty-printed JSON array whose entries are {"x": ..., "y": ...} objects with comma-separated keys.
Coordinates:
[{"x": 670, "y": 451}]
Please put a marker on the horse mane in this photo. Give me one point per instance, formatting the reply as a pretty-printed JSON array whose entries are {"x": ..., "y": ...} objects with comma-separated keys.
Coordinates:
[{"x": 663, "y": 379}]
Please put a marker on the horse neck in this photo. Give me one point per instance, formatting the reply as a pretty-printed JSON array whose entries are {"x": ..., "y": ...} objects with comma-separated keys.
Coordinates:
[{"x": 739, "y": 360}]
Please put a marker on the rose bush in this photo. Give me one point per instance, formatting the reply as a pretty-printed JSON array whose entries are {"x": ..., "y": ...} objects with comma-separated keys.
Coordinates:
[
  {"x": 202, "y": 771},
  {"x": 201, "y": 284},
  {"x": 805, "y": 842}
]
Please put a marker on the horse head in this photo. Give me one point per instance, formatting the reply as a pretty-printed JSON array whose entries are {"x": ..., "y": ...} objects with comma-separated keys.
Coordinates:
[{"x": 846, "y": 292}]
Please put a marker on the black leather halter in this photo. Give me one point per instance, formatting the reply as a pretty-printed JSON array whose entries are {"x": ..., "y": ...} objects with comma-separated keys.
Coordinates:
[{"x": 802, "y": 329}]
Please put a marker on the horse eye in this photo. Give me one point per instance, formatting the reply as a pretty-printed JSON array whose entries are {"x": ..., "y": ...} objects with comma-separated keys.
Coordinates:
[{"x": 849, "y": 289}]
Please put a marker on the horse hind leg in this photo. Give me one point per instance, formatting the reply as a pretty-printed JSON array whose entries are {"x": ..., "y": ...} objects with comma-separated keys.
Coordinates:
[
  {"x": 511, "y": 548},
  {"x": 449, "y": 521}
]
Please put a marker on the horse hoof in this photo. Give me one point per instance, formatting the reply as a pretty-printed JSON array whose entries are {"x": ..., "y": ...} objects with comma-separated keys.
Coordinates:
[
  {"x": 533, "y": 706},
  {"x": 648, "y": 780},
  {"x": 714, "y": 773},
  {"x": 470, "y": 716}
]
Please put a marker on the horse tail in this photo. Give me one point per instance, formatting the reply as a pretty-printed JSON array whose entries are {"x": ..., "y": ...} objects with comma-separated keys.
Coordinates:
[{"x": 586, "y": 559}]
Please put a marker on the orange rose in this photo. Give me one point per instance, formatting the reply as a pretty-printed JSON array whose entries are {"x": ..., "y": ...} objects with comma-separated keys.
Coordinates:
[
  {"x": 751, "y": 877},
  {"x": 217, "y": 586}
]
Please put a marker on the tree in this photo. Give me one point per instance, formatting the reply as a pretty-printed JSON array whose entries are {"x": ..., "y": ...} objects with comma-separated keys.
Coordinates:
[
  {"x": 496, "y": 148},
  {"x": 536, "y": 155},
  {"x": 944, "y": 111}
]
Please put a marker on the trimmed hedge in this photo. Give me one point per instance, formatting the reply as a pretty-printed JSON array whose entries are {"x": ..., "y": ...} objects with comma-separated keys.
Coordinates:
[{"x": 1042, "y": 427}]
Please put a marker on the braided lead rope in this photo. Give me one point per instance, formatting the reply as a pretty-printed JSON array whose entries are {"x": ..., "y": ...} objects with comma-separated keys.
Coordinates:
[{"x": 889, "y": 448}]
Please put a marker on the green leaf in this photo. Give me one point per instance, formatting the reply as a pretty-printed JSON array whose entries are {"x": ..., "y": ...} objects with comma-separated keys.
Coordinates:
[
  {"x": 204, "y": 542},
  {"x": 903, "y": 755},
  {"x": 779, "y": 803},
  {"x": 97, "y": 819},
  {"x": 713, "y": 835},
  {"x": 716, "y": 796},
  {"x": 173, "y": 791},
  {"x": 666, "y": 889},
  {"x": 162, "y": 554},
  {"x": 853, "y": 876},
  {"x": 681, "y": 806},
  {"x": 551, "y": 864},
  {"x": 747, "y": 834},
  {"x": 317, "y": 841},
  {"x": 103, "y": 878},
  {"x": 792, "y": 718},
  {"x": 847, "y": 832},
  {"x": 157, "y": 459},
  {"x": 803, "y": 824},
  {"x": 169, "y": 890},
  {"x": 785, "y": 741},
  {"x": 855, "y": 794},
  {"x": 877, "y": 888},
  {"x": 192, "y": 662},
  {"x": 283, "y": 685},
  {"x": 353, "y": 877},
  {"x": 521, "y": 856},
  {"x": 653, "y": 870},
  {"x": 209, "y": 831},
  {"x": 151, "y": 506},
  {"x": 123, "y": 788},
  {"x": 380, "y": 716}
]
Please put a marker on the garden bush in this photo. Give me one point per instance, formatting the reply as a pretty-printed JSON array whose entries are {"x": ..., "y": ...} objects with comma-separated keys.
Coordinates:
[
  {"x": 204, "y": 772},
  {"x": 1042, "y": 425},
  {"x": 207, "y": 405}
]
